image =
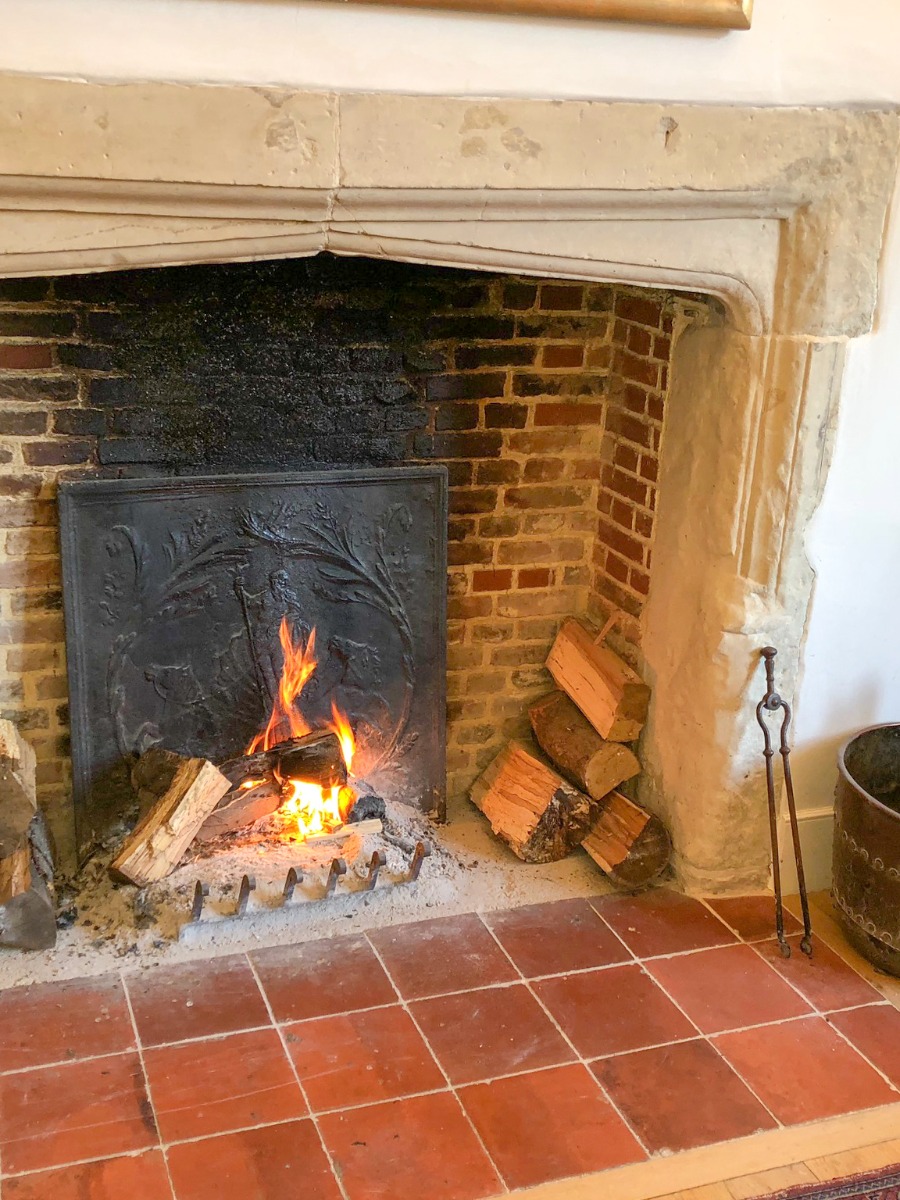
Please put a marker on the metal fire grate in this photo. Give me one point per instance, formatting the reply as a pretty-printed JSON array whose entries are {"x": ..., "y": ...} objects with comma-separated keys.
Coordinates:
[{"x": 174, "y": 590}]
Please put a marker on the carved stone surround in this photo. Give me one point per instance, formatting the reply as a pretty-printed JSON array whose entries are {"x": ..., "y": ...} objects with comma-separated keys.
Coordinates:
[{"x": 779, "y": 212}]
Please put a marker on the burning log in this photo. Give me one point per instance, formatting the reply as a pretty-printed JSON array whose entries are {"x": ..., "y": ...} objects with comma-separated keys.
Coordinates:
[
  {"x": 536, "y": 812},
  {"x": 315, "y": 758},
  {"x": 27, "y": 911},
  {"x": 609, "y": 693},
  {"x": 628, "y": 843},
  {"x": 573, "y": 745},
  {"x": 160, "y": 838}
]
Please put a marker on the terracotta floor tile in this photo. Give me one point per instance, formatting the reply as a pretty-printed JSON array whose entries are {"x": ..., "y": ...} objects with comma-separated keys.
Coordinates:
[
  {"x": 490, "y": 1032},
  {"x": 54, "y": 1022},
  {"x": 607, "y": 1012},
  {"x": 727, "y": 988},
  {"x": 61, "y": 1114},
  {"x": 318, "y": 979},
  {"x": 362, "y": 1057},
  {"x": 220, "y": 1084},
  {"x": 450, "y": 954},
  {"x": 193, "y": 1000},
  {"x": 875, "y": 1032},
  {"x": 663, "y": 922},
  {"x": 676, "y": 1097},
  {"x": 826, "y": 980},
  {"x": 409, "y": 1150},
  {"x": 549, "y": 939},
  {"x": 752, "y": 917},
  {"x": 549, "y": 1125},
  {"x": 803, "y": 1071},
  {"x": 140, "y": 1178},
  {"x": 276, "y": 1162}
]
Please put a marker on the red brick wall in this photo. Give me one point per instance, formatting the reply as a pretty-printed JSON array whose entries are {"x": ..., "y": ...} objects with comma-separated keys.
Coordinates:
[{"x": 544, "y": 399}]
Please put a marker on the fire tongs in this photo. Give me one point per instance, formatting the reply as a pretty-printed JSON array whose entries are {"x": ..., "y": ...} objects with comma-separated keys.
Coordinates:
[{"x": 770, "y": 703}]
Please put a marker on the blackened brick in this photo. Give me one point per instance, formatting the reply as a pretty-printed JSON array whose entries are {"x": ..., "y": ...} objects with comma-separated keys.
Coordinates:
[
  {"x": 471, "y": 329},
  {"x": 38, "y": 389},
  {"x": 562, "y": 297},
  {"x": 465, "y": 387},
  {"x": 458, "y": 445},
  {"x": 87, "y": 358},
  {"x": 457, "y": 416},
  {"x": 517, "y": 355},
  {"x": 36, "y": 325},
  {"x": 79, "y": 421},
  {"x": 18, "y": 423},
  {"x": 519, "y": 296},
  {"x": 528, "y": 384},
  {"x": 58, "y": 453},
  {"x": 505, "y": 416},
  {"x": 498, "y": 470}
]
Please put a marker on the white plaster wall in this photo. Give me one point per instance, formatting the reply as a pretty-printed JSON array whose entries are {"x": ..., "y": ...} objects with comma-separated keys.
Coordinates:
[{"x": 798, "y": 52}]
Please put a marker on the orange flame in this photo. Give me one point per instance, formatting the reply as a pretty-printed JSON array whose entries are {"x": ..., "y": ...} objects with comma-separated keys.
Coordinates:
[
  {"x": 299, "y": 663},
  {"x": 317, "y": 810},
  {"x": 341, "y": 726}
]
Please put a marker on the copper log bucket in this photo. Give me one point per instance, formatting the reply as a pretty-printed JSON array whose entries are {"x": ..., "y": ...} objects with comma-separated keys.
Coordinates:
[{"x": 866, "y": 882}]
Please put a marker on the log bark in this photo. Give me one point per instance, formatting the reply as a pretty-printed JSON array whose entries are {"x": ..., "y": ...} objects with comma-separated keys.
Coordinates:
[
  {"x": 15, "y": 872},
  {"x": 18, "y": 802},
  {"x": 629, "y": 844},
  {"x": 534, "y": 810},
  {"x": 582, "y": 756},
  {"x": 609, "y": 693},
  {"x": 159, "y": 840},
  {"x": 316, "y": 758}
]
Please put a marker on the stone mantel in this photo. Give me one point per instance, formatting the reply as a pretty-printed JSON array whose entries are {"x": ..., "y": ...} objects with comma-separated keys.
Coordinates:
[{"x": 778, "y": 212}]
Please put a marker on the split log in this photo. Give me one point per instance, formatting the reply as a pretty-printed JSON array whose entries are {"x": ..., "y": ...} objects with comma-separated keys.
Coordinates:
[
  {"x": 159, "y": 840},
  {"x": 18, "y": 802},
  {"x": 15, "y": 872},
  {"x": 609, "y": 693},
  {"x": 536, "y": 812},
  {"x": 241, "y": 806},
  {"x": 629, "y": 844},
  {"x": 573, "y": 745}
]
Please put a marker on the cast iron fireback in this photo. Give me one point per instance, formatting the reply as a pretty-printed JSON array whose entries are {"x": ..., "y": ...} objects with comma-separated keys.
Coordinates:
[{"x": 174, "y": 590}]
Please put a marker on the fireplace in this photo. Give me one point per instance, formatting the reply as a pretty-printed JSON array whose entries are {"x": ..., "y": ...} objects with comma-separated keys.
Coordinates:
[
  {"x": 740, "y": 205},
  {"x": 222, "y": 616}
]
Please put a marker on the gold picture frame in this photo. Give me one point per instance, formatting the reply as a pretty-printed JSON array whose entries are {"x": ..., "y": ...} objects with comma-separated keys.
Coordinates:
[{"x": 699, "y": 14}]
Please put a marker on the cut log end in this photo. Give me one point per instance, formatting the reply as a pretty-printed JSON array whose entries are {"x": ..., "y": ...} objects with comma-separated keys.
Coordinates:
[
  {"x": 534, "y": 810},
  {"x": 629, "y": 844},
  {"x": 610, "y": 694}
]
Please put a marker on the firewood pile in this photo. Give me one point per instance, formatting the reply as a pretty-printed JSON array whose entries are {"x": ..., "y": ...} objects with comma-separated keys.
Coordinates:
[
  {"x": 187, "y": 799},
  {"x": 544, "y": 805},
  {"x": 27, "y": 902}
]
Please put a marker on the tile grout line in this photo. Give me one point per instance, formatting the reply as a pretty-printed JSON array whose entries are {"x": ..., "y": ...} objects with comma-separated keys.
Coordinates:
[
  {"x": 406, "y": 1008},
  {"x": 823, "y": 1014},
  {"x": 284, "y": 1046},
  {"x": 579, "y": 1057},
  {"x": 642, "y": 965},
  {"x": 140, "y": 1053}
]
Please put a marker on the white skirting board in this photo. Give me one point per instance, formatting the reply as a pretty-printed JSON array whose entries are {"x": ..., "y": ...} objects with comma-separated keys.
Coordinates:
[{"x": 816, "y": 829}]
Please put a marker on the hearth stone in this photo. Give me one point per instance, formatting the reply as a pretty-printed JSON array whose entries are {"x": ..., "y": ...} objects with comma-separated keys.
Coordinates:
[{"x": 174, "y": 591}]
